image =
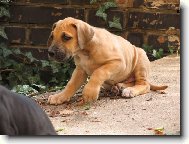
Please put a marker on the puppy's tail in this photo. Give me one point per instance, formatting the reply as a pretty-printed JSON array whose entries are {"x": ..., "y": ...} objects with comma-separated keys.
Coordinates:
[{"x": 154, "y": 87}]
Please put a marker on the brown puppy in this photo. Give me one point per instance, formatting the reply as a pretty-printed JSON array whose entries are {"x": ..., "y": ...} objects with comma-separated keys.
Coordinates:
[{"x": 107, "y": 58}]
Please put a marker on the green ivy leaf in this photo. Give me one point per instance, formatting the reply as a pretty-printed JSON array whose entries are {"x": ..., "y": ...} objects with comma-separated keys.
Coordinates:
[
  {"x": 100, "y": 13},
  {"x": 161, "y": 51},
  {"x": 39, "y": 86},
  {"x": 53, "y": 80},
  {"x": 30, "y": 56},
  {"x": 3, "y": 46},
  {"x": 55, "y": 69},
  {"x": 2, "y": 33},
  {"x": 148, "y": 49},
  {"x": 87, "y": 106},
  {"x": 6, "y": 52},
  {"x": 45, "y": 63},
  {"x": 115, "y": 23},
  {"x": 34, "y": 79},
  {"x": 4, "y": 12},
  {"x": 24, "y": 89},
  {"x": 93, "y": 1},
  {"x": 55, "y": 66},
  {"x": 154, "y": 53},
  {"x": 158, "y": 53},
  {"x": 16, "y": 51},
  {"x": 171, "y": 50},
  {"x": 108, "y": 5},
  {"x": 7, "y": 64}
]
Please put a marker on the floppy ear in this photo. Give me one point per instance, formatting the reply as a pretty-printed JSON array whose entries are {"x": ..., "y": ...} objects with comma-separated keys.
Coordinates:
[
  {"x": 54, "y": 25},
  {"x": 85, "y": 33},
  {"x": 50, "y": 39}
]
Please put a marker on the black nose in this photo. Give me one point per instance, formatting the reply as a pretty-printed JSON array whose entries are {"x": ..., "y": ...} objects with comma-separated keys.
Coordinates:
[{"x": 51, "y": 53}]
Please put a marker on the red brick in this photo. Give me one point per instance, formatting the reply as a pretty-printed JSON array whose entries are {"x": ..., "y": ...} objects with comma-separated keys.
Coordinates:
[
  {"x": 138, "y": 3},
  {"x": 80, "y": 2},
  {"x": 158, "y": 41},
  {"x": 16, "y": 35},
  {"x": 135, "y": 39},
  {"x": 42, "y": 14},
  {"x": 162, "y": 5},
  {"x": 50, "y": 1},
  {"x": 145, "y": 20},
  {"x": 42, "y": 1},
  {"x": 39, "y": 36},
  {"x": 38, "y": 53}
]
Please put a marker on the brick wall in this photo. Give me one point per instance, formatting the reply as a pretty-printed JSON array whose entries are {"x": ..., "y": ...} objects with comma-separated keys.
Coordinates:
[{"x": 152, "y": 22}]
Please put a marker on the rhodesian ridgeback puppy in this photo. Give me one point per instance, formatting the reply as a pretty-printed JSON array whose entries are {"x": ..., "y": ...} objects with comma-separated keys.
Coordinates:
[{"x": 107, "y": 58}]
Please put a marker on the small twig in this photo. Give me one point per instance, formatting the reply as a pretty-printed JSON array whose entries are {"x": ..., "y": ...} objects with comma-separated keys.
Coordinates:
[{"x": 6, "y": 70}]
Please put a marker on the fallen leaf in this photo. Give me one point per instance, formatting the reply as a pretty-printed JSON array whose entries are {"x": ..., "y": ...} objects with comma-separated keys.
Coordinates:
[
  {"x": 65, "y": 113},
  {"x": 60, "y": 129},
  {"x": 87, "y": 106},
  {"x": 54, "y": 113},
  {"x": 162, "y": 92},
  {"x": 84, "y": 113},
  {"x": 149, "y": 99},
  {"x": 66, "y": 120},
  {"x": 80, "y": 102},
  {"x": 95, "y": 121},
  {"x": 149, "y": 128},
  {"x": 159, "y": 131}
]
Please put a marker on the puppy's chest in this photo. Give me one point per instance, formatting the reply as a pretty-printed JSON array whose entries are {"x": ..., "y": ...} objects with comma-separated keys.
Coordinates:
[{"x": 87, "y": 63}]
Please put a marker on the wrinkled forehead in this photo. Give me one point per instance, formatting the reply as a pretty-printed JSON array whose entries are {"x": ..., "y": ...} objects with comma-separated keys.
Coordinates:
[{"x": 66, "y": 25}]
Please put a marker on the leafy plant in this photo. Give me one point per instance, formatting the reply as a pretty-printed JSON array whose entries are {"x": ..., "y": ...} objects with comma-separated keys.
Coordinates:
[
  {"x": 115, "y": 23},
  {"x": 151, "y": 52},
  {"x": 25, "y": 74},
  {"x": 147, "y": 48},
  {"x": 101, "y": 12},
  {"x": 158, "y": 53},
  {"x": 2, "y": 33},
  {"x": 25, "y": 90},
  {"x": 17, "y": 68},
  {"x": 171, "y": 50},
  {"x": 93, "y": 1},
  {"x": 4, "y": 12}
]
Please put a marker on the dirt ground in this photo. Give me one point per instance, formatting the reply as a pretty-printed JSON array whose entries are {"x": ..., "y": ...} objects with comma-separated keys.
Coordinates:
[{"x": 118, "y": 116}]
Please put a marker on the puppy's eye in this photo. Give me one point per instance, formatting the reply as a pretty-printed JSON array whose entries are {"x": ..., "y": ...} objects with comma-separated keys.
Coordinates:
[{"x": 66, "y": 37}]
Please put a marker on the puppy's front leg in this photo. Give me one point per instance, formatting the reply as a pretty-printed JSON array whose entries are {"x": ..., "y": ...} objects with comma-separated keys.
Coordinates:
[
  {"x": 78, "y": 78},
  {"x": 103, "y": 73}
]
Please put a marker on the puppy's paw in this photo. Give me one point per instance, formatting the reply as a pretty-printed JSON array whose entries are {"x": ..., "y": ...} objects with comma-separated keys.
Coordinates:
[
  {"x": 90, "y": 94},
  {"x": 57, "y": 99},
  {"x": 115, "y": 90},
  {"x": 128, "y": 93},
  {"x": 89, "y": 98}
]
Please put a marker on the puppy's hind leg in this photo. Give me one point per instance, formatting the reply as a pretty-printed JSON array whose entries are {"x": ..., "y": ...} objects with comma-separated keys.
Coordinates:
[
  {"x": 138, "y": 89},
  {"x": 141, "y": 73}
]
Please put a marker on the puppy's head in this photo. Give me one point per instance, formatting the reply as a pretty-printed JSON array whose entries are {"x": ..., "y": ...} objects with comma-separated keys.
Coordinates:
[{"x": 67, "y": 37}]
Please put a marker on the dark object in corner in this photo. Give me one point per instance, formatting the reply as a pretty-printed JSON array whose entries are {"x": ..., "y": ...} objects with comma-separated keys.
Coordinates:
[{"x": 20, "y": 115}]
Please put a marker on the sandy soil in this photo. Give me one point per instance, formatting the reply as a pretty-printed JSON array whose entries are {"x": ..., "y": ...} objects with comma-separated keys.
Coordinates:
[{"x": 118, "y": 116}]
